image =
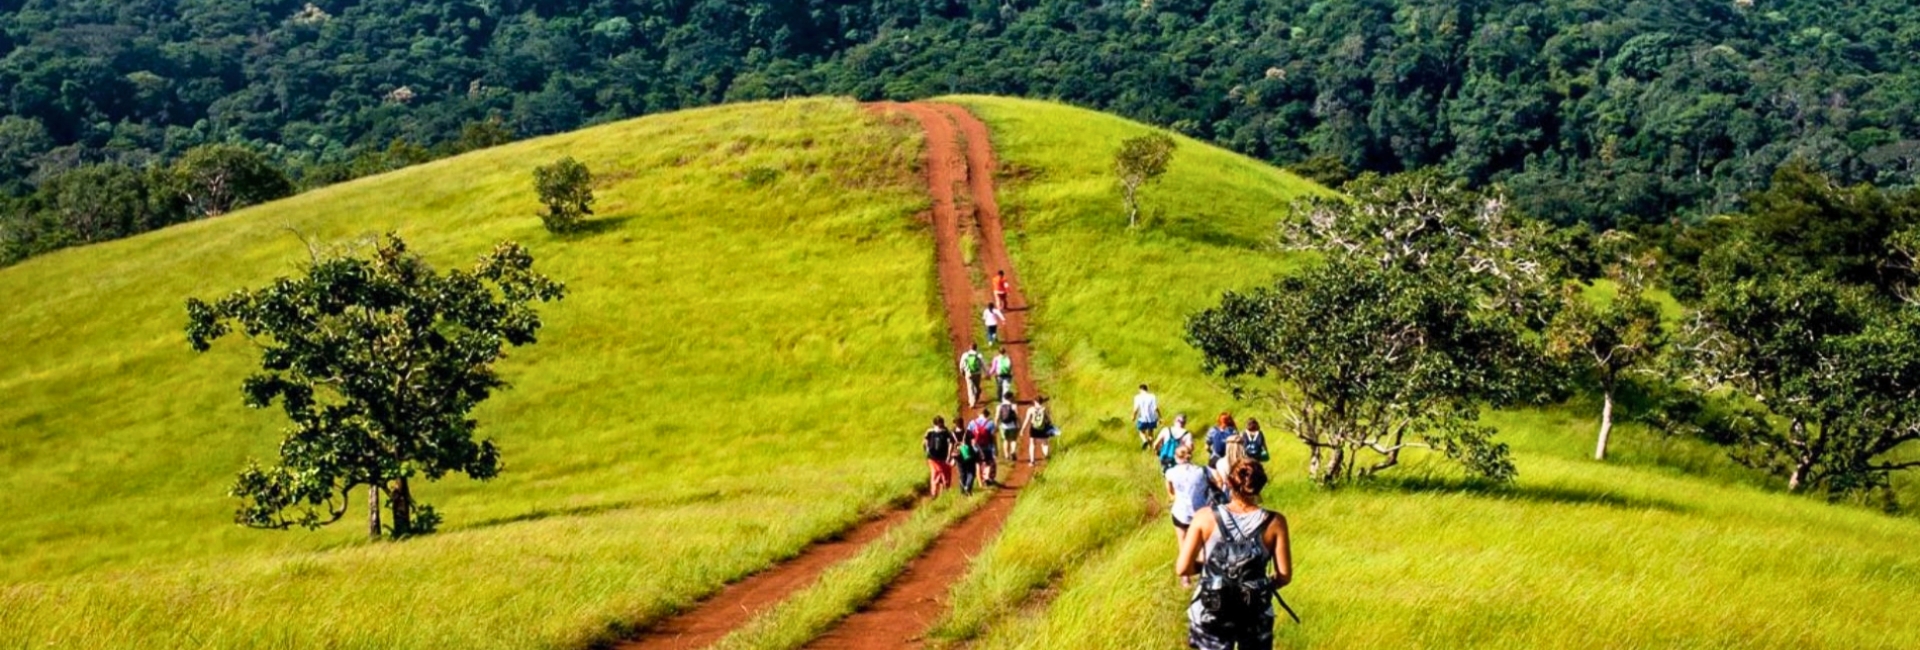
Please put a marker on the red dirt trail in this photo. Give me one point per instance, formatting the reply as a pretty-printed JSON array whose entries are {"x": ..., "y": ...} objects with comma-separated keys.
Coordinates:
[
  {"x": 739, "y": 602},
  {"x": 900, "y": 617},
  {"x": 904, "y": 611}
]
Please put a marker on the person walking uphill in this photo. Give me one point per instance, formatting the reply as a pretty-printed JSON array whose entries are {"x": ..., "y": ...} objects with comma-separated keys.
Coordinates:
[
  {"x": 1230, "y": 546},
  {"x": 1171, "y": 440},
  {"x": 1187, "y": 485},
  {"x": 1008, "y": 417},
  {"x": 1000, "y": 289},
  {"x": 1040, "y": 430},
  {"x": 980, "y": 436},
  {"x": 1003, "y": 374},
  {"x": 1146, "y": 415},
  {"x": 939, "y": 444},
  {"x": 993, "y": 318},
  {"x": 973, "y": 367}
]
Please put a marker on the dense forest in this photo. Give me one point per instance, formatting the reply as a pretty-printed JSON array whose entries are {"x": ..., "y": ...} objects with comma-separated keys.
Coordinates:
[{"x": 1604, "y": 112}]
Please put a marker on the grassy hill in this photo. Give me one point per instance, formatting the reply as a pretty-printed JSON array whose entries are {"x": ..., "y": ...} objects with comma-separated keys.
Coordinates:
[
  {"x": 740, "y": 369},
  {"x": 709, "y": 398},
  {"x": 1643, "y": 551}
]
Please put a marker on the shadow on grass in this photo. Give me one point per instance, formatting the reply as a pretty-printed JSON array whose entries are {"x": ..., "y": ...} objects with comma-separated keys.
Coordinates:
[
  {"x": 595, "y": 227},
  {"x": 592, "y": 509},
  {"x": 1533, "y": 493}
]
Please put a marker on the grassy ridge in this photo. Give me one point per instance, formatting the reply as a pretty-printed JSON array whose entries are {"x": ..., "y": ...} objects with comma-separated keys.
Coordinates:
[
  {"x": 710, "y": 397},
  {"x": 1641, "y": 552}
]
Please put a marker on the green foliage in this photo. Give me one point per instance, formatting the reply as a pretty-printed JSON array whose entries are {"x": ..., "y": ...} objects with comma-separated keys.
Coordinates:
[
  {"x": 566, "y": 189},
  {"x": 213, "y": 180},
  {"x": 1141, "y": 160},
  {"x": 379, "y": 362},
  {"x": 1609, "y": 339}
]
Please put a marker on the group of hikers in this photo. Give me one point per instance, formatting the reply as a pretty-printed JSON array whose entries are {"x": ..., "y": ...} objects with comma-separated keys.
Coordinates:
[
  {"x": 1224, "y": 534},
  {"x": 972, "y": 450}
]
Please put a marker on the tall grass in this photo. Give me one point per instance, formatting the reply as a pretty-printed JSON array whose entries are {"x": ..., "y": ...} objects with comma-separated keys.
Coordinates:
[
  {"x": 1667, "y": 546},
  {"x": 734, "y": 375}
]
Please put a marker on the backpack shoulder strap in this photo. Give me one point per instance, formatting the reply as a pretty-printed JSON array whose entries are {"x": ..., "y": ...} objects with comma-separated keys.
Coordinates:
[{"x": 1225, "y": 523}]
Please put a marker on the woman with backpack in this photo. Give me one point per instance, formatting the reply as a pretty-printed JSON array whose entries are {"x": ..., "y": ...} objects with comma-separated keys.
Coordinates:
[
  {"x": 1253, "y": 441},
  {"x": 1231, "y": 546},
  {"x": 1008, "y": 416},
  {"x": 1040, "y": 430},
  {"x": 1187, "y": 485}
]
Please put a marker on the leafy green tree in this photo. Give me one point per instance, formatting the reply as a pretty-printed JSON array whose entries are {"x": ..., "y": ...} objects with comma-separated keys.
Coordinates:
[
  {"x": 1609, "y": 339},
  {"x": 1837, "y": 369},
  {"x": 215, "y": 179},
  {"x": 98, "y": 202},
  {"x": 1141, "y": 160},
  {"x": 566, "y": 190},
  {"x": 378, "y": 361},
  {"x": 1424, "y": 309}
]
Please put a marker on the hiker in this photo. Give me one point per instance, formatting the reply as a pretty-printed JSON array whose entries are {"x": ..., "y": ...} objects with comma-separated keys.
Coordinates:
[
  {"x": 1000, "y": 289},
  {"x": 1187, "y": 484},
  {"x": 1146, "y": 415},
  {"x": 1040, "y": 430},
  {"x": 1217, "y": 436},
  {"x": 973, "y": 366},
  {"x": 939, "y": 444},
  {"x": 1003, "y": 374},
  {"x": 1008, "y": 416},
  {"x": 1230, "y": 546},
  {"x": 1171, "y": 440},
  {"x": 980, "y": 435},
  {"x": 1254, "y": 442},
  {"x": 967, "y": 459},
  {"x": 994, "y": 318}
]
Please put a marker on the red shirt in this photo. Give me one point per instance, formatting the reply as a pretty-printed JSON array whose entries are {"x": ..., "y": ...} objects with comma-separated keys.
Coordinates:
[{"x": 1000, "y": 284}]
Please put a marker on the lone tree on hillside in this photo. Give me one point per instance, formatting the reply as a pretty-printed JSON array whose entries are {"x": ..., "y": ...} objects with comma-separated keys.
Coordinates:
[
  {"x": 1612, "y": 338},
  {"x": 377, "y": 361},
  {"x": 1425, "y": 308},
  {"x": 566, "y": 189},
  {"x": 1141, "y": 160},
  {"x": 213, "y": 180}
]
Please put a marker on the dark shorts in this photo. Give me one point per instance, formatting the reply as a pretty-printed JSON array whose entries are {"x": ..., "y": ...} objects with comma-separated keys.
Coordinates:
[
  {"x": 1046, "y": 433},
  {"x": 1259, "y": 637},
  {"x": 1147, "y": 426},
  {"x": 1010, "y": 432},
  {"x": 1182, "y": 525}
]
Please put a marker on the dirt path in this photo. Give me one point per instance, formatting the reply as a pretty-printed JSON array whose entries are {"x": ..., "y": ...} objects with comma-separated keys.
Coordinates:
[
  {"x": 739, "y": 602},
  {"x": 900, "y": 617}
]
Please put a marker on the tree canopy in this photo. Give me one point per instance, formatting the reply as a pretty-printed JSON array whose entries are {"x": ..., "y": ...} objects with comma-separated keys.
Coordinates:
[{"x": 377, "y": 361}]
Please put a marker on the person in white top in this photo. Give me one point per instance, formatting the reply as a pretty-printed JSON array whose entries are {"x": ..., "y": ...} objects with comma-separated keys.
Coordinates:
[
  {"x": 993, "y": 318},
  {"x": 1171, "y": 440},
  {"x": 1146, "y": 415}
]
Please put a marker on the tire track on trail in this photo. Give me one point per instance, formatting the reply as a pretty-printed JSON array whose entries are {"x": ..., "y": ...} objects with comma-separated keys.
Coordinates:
[{"x": 908, "y": 607}]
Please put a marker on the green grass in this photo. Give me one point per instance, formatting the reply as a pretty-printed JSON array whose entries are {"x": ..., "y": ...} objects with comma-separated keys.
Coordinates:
[
  {"x": 1666, "y": 546},
  {"x": 718, "y": 390}
]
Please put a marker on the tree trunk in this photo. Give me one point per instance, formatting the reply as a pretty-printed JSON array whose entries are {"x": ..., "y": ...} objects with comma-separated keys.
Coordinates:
[
  {"x": 1133, "y": 207},
  {"x": 373, "y": 510},
  {"x": 400, "y": 498},
  {"x": 1606, "y": 423}
]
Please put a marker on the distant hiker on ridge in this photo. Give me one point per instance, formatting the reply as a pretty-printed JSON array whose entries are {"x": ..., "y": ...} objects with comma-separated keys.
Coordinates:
[
  {"x": 1146, "y": 415},
  {"x": 973, "y": 368},
  {"x": 1008, "y": 416},
  {"x": 939, "y": 443},
  {"x": 1003, "y": 374},
  {"x": 993, "y": 317},
  {"x": 1231, "y": 546},
  {"x": 1000, "y": 289}
]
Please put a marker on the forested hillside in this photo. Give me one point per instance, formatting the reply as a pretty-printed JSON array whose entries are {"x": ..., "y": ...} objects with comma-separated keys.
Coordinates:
[{"x": 1596, "y": 111}]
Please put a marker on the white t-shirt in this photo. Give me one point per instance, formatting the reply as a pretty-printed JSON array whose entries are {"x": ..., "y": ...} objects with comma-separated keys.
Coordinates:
[
  {"x": 1146, "y": 408},
  {"x": 992, "y": 317},
  {"x": 1189, "y": 490}
]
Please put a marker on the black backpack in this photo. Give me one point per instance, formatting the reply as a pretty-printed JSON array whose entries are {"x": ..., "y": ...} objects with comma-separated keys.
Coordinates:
[
  {"x": 939, "y": 446},
  {"x": 1234, "y": 584}
]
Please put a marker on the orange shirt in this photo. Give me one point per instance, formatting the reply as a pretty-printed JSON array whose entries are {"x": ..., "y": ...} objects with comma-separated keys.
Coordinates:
[{"x": 1000, "y": 284}]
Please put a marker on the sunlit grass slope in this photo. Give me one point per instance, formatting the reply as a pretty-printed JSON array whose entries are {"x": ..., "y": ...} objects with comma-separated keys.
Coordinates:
[
  {"x": 1665, "y": 547},
  {"x": 724, "y": 384}
]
